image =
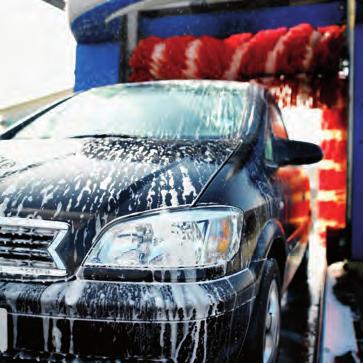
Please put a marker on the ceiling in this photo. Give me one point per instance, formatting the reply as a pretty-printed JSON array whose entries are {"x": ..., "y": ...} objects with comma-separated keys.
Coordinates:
[{"x": 60, "y": 4}]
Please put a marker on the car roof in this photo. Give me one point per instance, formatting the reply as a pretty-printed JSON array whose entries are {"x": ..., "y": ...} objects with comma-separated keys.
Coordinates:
[{"x": 192, "y": 83}]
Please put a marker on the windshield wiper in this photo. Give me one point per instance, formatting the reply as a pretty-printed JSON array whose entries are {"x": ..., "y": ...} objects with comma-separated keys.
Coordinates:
[{"x": 101, "y": 136}]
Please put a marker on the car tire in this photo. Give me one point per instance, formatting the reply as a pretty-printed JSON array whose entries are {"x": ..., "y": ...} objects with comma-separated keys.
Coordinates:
[{"x": 263, "y": 337}]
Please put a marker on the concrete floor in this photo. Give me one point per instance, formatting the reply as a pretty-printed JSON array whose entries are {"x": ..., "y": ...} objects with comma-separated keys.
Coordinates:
[
  {"x": 323, "y": 320},
  {"x": 301, "y": 312}
]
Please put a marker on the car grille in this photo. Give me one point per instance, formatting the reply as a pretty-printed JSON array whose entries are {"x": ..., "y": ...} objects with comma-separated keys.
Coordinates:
[{"x": 28, "y": 247}]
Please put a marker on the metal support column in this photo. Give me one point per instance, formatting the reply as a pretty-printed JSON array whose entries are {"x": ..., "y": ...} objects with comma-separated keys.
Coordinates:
[{"x": 355, "y": 213}]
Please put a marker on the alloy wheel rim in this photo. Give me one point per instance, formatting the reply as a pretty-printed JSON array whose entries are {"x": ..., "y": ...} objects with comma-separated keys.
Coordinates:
[{"x": 272, "y": 324}]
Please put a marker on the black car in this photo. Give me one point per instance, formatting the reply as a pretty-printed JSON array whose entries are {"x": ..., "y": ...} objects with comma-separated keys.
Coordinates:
[{"x": 147, "y": 222}]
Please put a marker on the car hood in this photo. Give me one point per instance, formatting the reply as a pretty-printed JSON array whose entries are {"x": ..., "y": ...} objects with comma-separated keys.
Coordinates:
[{"x": 89, "y": 182}]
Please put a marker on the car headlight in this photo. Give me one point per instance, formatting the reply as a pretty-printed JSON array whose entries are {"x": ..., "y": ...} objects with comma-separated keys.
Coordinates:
[{"x": 179, "y": 238}]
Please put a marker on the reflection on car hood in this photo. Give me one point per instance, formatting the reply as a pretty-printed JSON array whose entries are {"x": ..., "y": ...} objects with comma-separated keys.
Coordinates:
[{"x": 89, "y": 182}]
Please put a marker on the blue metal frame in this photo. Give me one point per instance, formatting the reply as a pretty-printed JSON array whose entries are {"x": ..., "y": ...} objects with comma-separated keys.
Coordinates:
[
  {"x": 356, "y": 181},
  {"x": 97, "y": 65},
  {"x": 225, "y": 23}
]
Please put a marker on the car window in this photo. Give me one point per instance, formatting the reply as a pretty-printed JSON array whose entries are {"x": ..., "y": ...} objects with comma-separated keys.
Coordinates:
[
  {"x": 277, "y": 125},
  {"x": 269, "y": 156},
  {"x": 274, "y": 129},
  {"x": 166, "y": 111}
]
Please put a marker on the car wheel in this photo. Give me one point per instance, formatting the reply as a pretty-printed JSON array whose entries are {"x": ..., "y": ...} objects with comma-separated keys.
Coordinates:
[{"x": 262, "y": 342}]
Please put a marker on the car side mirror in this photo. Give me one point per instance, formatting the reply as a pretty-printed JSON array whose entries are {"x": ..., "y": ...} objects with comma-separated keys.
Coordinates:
[{"x": 291, "y": 152}]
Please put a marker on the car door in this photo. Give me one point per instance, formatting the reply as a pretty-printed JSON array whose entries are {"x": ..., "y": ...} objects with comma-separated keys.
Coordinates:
[{"x": 293, "y": 183}]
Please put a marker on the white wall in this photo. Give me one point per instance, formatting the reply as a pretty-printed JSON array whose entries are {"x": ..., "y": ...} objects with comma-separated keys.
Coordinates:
[{"x": 37, "y": 51}]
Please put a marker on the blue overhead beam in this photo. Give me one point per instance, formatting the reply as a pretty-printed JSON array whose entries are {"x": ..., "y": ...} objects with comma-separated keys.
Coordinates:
[{"x": 224, "y": 23}]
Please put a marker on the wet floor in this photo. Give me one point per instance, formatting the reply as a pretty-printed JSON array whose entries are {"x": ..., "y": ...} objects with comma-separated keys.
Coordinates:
[
  {"x": 301, "y": 312},
  {"x": 342, "y": 314}
]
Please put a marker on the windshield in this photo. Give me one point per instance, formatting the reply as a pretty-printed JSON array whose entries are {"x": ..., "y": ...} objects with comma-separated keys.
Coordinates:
[{"x": 165, "y": 111}]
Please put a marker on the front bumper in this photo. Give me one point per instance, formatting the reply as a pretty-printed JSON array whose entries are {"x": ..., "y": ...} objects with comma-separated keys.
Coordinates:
[{"x": 93, "y": 320}]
